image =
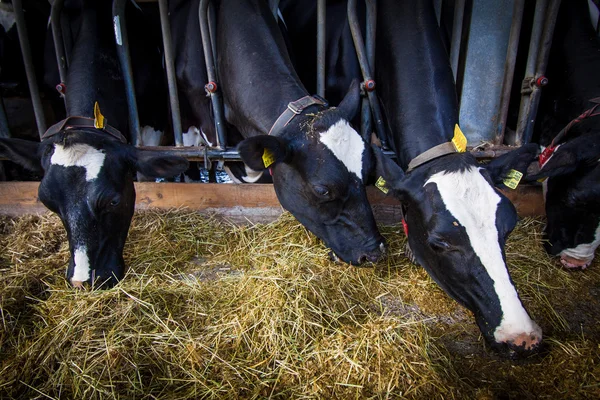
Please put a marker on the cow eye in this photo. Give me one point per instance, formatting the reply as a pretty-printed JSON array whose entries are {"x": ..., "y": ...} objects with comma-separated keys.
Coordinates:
[
  {"x": 321, "y": 190},
  {"x": 439, "y": 244},
  {"x": 115, "y": 202}
]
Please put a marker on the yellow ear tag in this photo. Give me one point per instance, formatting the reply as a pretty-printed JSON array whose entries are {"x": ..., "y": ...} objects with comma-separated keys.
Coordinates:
[
  {"x": 380, "y": 184},
  {"x": 268, "y": 157},
  {"x": 459, "y": 140},
  {"x": 99, "y": 120},
  {"x": 513, "y": 178}
]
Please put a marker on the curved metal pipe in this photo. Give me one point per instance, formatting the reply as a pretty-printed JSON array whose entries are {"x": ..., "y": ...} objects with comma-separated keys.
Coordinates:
[
  {"x": 215, "y": 95},
  {"x": 321, "y": 24},
  {"x": 34, "y": 92},
  {"x": 59, "y": 44},
  {"x": 121, "y": 38},
  {"x": 366, "y": 70},
  {"x": 169, "y": 62}
]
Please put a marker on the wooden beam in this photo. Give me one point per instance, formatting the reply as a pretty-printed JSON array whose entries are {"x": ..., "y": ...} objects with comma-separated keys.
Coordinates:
[{"x": 252, "y": 202}]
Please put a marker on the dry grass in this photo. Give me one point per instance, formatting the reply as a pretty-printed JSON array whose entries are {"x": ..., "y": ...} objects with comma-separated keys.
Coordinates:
[{"x": 212, "y": 310}]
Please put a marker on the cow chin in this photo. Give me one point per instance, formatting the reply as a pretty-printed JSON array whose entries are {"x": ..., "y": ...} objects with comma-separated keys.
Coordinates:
[{"x": 359, "y": 258}]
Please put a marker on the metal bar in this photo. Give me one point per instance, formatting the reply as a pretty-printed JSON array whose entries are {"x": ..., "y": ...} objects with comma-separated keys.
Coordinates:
[
  {"x": 509, "y": 68},
  {"x": 122, "y": 40},
  {"x": 34, "y": 92},
  {"x": 366, "y": 71},
  {"x": 540, "y": 69},
  {"x": 214, "y": 92},
  {"x": 534, "y": 44},
  {"x": 171, "y": 80},
  {"x": 4, "y": 127},
  {"x": 321, "y": 24},
  {"x": 437, "y": 5},
  {"x": 59, "y": 45},
  {"x": 67, "y": 38},
  {"x": 457, "y": 26}
]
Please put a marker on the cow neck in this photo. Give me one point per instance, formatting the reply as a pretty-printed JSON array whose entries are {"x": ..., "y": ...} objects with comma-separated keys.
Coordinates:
[{"x": 261, "y": 80}]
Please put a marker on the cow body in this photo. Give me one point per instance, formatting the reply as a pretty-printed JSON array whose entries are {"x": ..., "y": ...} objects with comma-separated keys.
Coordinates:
[
  {"x": 89, "y": 172},
  {"x": 320, "y": 163},
  {"x": 572, "y": 190},
  {"x": 457, "y": 221}
]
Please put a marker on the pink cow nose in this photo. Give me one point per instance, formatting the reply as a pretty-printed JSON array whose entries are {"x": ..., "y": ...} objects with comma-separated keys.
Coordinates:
[
  {"x": 574, "y": 263},
  {"x": 525, "y": 342}
]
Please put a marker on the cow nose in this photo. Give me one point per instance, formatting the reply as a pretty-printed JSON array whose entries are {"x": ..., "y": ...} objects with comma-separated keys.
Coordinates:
[
  {"x": 524, "y": 344},
  {"x": 373, "y": 255},
  {"x": 574, "y": 263}
]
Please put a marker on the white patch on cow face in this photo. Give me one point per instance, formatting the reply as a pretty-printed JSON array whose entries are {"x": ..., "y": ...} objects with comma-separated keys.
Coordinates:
[
  {"x": 79, "y": 155},
  {"x": 151, "y": 136},
  {"x": 81, "y": 271},
  {"x": 584, "y": 251},
  {"x": 346, "y": 144},
  {"x": 473, "y": 202}
]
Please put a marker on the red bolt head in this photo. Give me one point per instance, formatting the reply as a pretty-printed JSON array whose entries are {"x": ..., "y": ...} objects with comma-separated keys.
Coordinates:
[
  {"x": 370, "y": 85},
  {"x": 541, "y": 81},
  {"x": 61, "y": 88},
  {"x": 211, "y": 87}
]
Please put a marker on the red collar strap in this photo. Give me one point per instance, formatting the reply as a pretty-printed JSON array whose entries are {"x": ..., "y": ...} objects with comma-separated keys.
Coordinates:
[
  {"x": 548, "y": 151},
  {"x": 81, "y": 122},
  {"x": 296, "y": 108}
]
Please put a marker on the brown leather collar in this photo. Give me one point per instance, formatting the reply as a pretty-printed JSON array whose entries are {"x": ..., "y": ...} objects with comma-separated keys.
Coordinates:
[
  {"x": 295, "y": 108},
  {"x": 432, "y": 153},
  {"x": 81, "y": 122}
]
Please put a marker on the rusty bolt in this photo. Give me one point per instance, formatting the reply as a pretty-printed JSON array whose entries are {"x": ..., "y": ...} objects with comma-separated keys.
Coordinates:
[
  {"x": 541, "y": 81},
  {"x": 370, "y": 85},
  {"x": 211, "y": 87},
  {"x": 61, "y": 88}
]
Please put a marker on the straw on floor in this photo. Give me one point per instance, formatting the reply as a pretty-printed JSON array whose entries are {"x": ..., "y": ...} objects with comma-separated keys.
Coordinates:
[{"x": 212, "y": 310}]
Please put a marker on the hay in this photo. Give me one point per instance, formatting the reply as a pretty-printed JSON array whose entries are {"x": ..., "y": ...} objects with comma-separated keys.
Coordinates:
[{"x": 212, "y": 310}]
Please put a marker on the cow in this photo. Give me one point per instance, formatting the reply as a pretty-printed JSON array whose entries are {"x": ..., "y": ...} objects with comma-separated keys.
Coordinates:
[
  {"x": 318, "y": 162},
  {"x": 456, "y": 220},
  {"x": 88, "y": 168},
  {"x": 570, "y": 103}
]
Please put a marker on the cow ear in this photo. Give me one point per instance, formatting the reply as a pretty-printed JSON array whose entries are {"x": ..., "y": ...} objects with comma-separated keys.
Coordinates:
[
  {"x": 157, "y": 165},
  {"x": 570, "y": 156},
  {"x": 259, "y": 152},
  {"x": 22, "y": 152},
  {"x": 518, "y": 159},
  {"x": 392, "y": 175},
  {"x": 351, "y": 102}
]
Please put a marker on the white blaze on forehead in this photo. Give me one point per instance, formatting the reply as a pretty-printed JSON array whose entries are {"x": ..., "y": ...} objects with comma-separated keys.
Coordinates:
[
  {"x": 473, "y": 202},
  {"x": 346, "y": 144},
  {"x": 79, "y": 155},
  {"x": 584, "y": 251},
  {"x": 81, "y": 271}
]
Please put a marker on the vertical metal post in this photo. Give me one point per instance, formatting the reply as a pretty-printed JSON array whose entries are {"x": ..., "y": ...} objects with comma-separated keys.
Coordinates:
[
  {"x": 369, "y": 83},
  {"x": 169, "y": 62},
  {"x": 509, "y": 68},
  {"x": 4, "y": 128},
  {"x": 67, "y": 39},
  {"x": 437, "y": 5},
  {"x": 59, "y": 45},
  {"x": 540, "y": 69},
  {"x": 40, "y": 119},
  {"x": 321, "y": 25},
  {"x": 211, "y": 86},
  {"x": 371, "y": 28},
  {"x": 122, "y": 40},
  {"x": 457, "y": 24}
]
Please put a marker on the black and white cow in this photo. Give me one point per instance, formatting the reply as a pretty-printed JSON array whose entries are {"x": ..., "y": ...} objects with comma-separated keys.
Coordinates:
[
  {"x": 318, "y": 161},
  {"x": 87, "y": 172},
  {"x": 572, "y": 190},
  {"x": 457, "y": 222}
]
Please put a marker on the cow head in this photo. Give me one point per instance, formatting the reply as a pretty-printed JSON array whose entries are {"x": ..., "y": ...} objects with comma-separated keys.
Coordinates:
[
  {"x": 88, "y": 182},
  {"x": 572, "y": 196},
  {"x": 457, "y": 227},
  {"x": 320, "y": 164}
]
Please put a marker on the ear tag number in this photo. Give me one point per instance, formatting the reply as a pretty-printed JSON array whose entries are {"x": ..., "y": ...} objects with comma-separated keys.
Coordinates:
[
  {"x": 99, "y": 120},
  {"x": 513, "y": 178},
  {"x": 380, "y": 184},
  {"x": 459, "y": 140},
  {"x": 268, "y": 157}
]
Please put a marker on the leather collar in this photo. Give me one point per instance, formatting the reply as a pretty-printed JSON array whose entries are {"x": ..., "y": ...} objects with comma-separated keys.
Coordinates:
[
  {"x": 81, "y": 122},
  {"x": 431, "y": 154},
  {"x": 296, "y": 108}
]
